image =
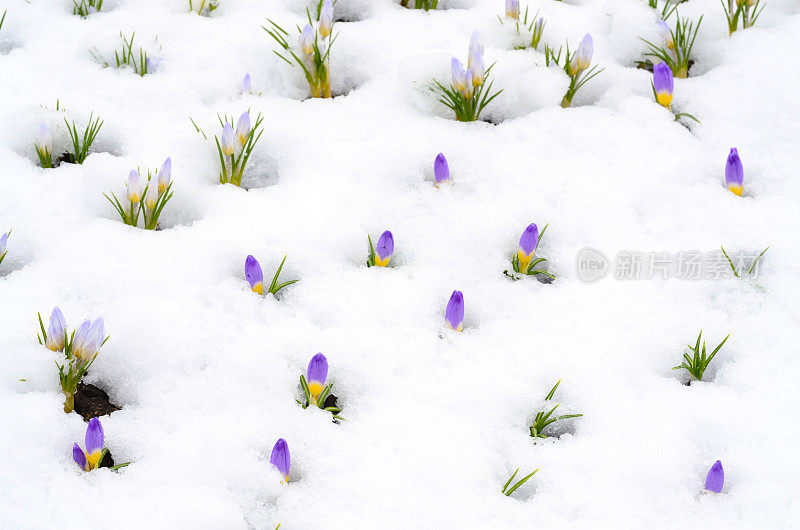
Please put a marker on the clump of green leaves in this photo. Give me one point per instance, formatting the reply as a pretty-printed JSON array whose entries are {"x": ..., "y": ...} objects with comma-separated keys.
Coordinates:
[
  {"x": 318, "y": 401},
  {"x": 203, "y": 7},
  {"x": 747, "y": 11},
  {"x": 81, "y": 143},
  {"x": 85, "y": 7},
  {"x": 420, "y": 4},
  {"x": 676, "y": 48},
  {"x": 508, "y": 491},
  {"x": 697, "y": 363},
  {"x": 543, "y": 419},
  {"x": 575, "y": 65},
  {"x": 667, "y": 9}
]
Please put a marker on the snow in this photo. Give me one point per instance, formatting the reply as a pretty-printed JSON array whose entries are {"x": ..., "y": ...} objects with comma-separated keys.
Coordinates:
[{"x": 207, "y": 371}]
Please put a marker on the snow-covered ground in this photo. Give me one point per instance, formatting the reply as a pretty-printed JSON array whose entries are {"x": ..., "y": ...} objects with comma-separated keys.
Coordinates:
[{"x": 207, "y": 371}]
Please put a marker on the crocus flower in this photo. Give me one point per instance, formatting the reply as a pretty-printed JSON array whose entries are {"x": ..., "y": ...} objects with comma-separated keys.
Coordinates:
[
  {"x": 316, "y": 374},
  {"x": 476, "y": 68},
  {"x": 715, "y": 478},
  {"x": 164, "y": 175},
  {"x": 87, "y": 339},
  {"x": 384, "y": 249},
  {"x": 227, "y": 140},
  {"x": 583, "y": 57},
  {"x": 326, "y": 19},
  {"x": 663, "y": 84},
  {"x": 243, "y": 128},
  {"x": 441, "y": 171},
  {"x": 734, "y": 172},
  {"x": 79, "y": 457},
  {"x": 3, "y": 244},
  {"x": 151, "y": 196},
  {"x": 56, "y": 331},
  {"x": 666, "y": 34},
  {"x": 133, "y": 187},
  {"x": 467, "y": 92},
  {"x": 45, "y": 140},
  {"x": 246, "y": 84},
  {"x": 527, "y": 245},
  {"x": 280, "y": 458},
  {"x": 252, "y": 271},
  {"x": 459, "y": 75},
  {"x": 475, "y": 48},
  {"x": 93, "y": 442},
  {"x": 512, "y": 9},
  {"x": 307, "y": 40},
  {"x": 454, "y": 314}
]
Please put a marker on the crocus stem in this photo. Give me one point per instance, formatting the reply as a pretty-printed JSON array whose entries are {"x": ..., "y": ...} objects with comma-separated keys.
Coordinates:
[
  {"x": 566, "y": 102},
  {"x": 683, "y": 72},
  {"x": 69, "y": 403}
]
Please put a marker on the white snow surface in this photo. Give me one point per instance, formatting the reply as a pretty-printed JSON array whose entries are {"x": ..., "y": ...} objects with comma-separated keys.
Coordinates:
[{"x": 207, "y": 371}]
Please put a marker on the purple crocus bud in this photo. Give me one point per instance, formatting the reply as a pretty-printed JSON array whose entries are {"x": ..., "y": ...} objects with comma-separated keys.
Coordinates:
[
  {"x": 80, "y": 341},
  {"x": 326, "y": 19},
  {"x": 280, "y": 458},
  {"x": 384, "y": 249},
  {"x": 307, "y": 40},
  {"x": 512, "y": 9},
  {"x": 246, "y": 89},
  {"x": 134, "y": 189},
  {"x": 94, "y": 442},
  {"x": 227, "y": 142},
  {"x": 3, "y": 244},
  {"x": 56, "y": 331},
  {"x": 95, "y": 337},
  {"x": 459, "y": 75},
  {"x": 45, "y": 139},
  {"x": 666, "y": 34},
  {"x": 734, "y": 172},
  {"x": 243, "y": 127},
  {"x": 477, "y": 69},
  {"x": 715, "y": 478},
  {"x": 441, "y": 171},
  {"x": 583, "y": 57},
  {"x": 316, "y": 374},
  {"x": 164, "y": 175},
  {"x": 252, "y": 271},
  {"x": 151, "y": 196},
  {"x": 475, "y": 48},
  {"x": 79, "y": 457},
  {"x": 527, "y": 245},
  {"x": 454, "y": 314},
  {"x": 663, "y": 84}
]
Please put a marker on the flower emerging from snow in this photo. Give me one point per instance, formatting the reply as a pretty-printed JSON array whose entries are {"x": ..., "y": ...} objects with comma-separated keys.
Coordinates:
[
  {"x": 307, "y": 40},
  {"x": 459, "y": 75},
  {"x": 666, "y": 34},
  {"x": 663, "y": 84},
  {"x": 243, "y": 127},
  {"x": 384, "y": 249},
  {"x": 316, "y": 374},
  {"x": 280, "y": 458},
  {"x": 87, "y": 340},
  {"x": 527, "y": 245},
  {"x": 583, "y": 57},
  {"x": 441, "y": 171},
  {"x": 715, "y": 478},
  {"x": 254, "y": 275},
  {"x": 454, "y": 314},
  {"x": 227, "y": 141},
  {"x": 56, "y": 331},
  {"x": 512, "y": 9},
  {"x": 734, "y": 172},
  {"x": 93, "y": 442},
  {"x": 164, "y": 175},
  {"x": 246, "y": 85},
  {"x": 475, "y": 49},
  {"x": 326, "y": 19},
  {"x": 45, "y": 140},
  {"x": 3, "y": 246},
  {"x": 134, "y": 189}
]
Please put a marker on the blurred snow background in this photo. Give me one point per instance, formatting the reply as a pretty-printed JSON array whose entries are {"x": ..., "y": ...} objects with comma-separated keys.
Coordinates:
[{"x": 207, "y": 371}]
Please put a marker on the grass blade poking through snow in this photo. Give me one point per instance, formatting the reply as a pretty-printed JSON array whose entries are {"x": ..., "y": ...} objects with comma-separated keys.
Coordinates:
[
  {"x": 315, "y": 48},
  {"x": 203, "y": 7},
  {"x": 4, "y": 246},
  {"x": 82, "y": 143},
  {"x": 470, "y": 90},
  {"x": 752, "y": 267},
  {"x": 86, "y": 7},
  {"x": 543, "y": 419},
  {"x": 746, "y": 10},
  {"x": 427, "y": 5},
  {"x": 697, "y": 363},
  {"x": 508, "y": 491}
]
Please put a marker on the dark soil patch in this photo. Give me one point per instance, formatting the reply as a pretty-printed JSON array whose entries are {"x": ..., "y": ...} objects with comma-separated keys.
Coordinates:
[{"x": 92, "y": 402}]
